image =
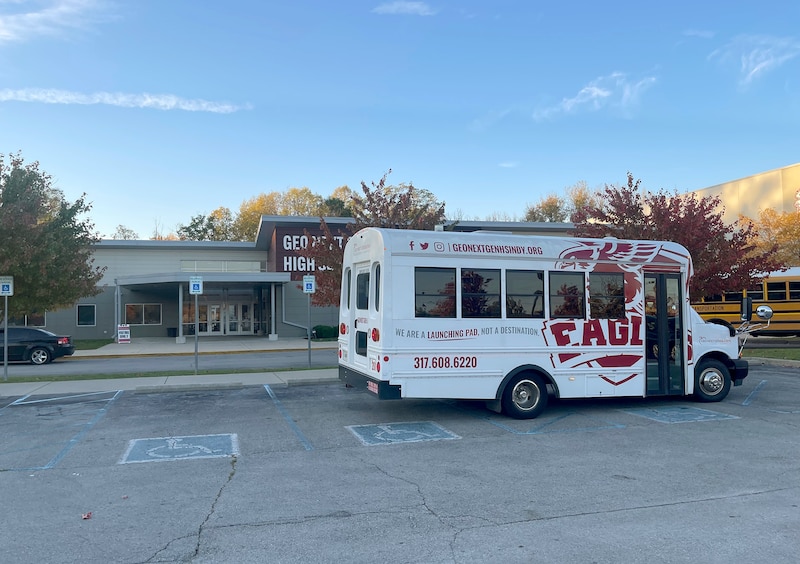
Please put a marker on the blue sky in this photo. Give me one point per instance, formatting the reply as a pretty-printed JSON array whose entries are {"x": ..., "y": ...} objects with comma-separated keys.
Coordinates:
[{"x": 160, "y": 110}]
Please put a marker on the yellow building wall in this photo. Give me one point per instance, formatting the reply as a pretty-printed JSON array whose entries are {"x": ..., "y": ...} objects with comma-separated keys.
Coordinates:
[{"x": 778, "y": 189}]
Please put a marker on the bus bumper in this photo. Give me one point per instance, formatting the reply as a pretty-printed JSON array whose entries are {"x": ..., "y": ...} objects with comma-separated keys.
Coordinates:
[
  {"x": 381, "y": 388},
  {"x": 739, "y": 370}
]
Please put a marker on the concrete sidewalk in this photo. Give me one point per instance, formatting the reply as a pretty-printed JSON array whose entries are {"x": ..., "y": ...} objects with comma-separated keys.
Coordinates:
[{"x": 168, "y": 346}]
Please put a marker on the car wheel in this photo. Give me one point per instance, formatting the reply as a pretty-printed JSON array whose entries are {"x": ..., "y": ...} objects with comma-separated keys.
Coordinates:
[
  {"x": 40, "y": 355},
  {"x": 525, "y": 396},
  {"x": 712, "y": 381}
]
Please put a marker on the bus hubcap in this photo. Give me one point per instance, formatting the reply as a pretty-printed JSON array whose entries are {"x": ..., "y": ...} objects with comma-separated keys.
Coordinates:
[
  {"x": 526, "y": 395},
  {"x": 711, "y": 382}
]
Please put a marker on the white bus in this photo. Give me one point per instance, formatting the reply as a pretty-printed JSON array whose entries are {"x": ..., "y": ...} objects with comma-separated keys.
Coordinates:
[{"x": 504, "y": 318}]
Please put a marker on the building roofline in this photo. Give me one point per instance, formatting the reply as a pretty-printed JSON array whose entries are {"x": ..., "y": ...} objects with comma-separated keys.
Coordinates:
[{"x": 169, "y": 244}]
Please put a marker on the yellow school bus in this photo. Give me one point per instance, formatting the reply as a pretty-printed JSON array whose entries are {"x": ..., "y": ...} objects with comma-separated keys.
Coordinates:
[{"x": 780, "y": 289}]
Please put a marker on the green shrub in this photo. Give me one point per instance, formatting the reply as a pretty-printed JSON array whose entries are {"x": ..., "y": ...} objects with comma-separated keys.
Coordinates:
[{"x": 324, "y": 332}]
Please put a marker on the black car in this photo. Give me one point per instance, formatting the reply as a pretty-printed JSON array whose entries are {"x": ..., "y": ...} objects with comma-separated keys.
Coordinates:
[{"x": 36, "y": 346}]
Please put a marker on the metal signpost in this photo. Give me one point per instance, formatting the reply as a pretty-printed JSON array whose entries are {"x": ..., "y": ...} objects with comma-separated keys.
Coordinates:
[
  {"x": 6, "y": 289},
  {"x": 195, "y": 289},
  {"x": 309, "y": 287}
]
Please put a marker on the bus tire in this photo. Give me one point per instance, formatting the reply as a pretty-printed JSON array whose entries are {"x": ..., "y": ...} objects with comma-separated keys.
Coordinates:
[
  {"x": 525, "y": 396},
  {"x": 712, "y": 380}
]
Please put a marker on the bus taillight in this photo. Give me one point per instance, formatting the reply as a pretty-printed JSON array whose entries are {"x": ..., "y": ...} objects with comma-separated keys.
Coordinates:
[
  {"x": 376, "y": 335},
  {"x": 342, "y": 328}
]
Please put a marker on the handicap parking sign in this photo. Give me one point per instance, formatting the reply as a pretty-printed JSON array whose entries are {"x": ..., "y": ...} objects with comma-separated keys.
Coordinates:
[
  {"x": 196, "y": 285},
  {"x": 6, "y": 285},
  {"x": 309, "y": 284}
]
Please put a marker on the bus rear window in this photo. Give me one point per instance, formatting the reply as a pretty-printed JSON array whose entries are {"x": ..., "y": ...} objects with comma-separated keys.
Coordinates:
[
  {"x": 434, "y": 292},
  {"x": 362, "y": 290}
]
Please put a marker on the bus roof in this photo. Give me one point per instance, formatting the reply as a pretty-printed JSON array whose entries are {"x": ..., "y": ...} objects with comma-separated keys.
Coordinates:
[
  {"x": 504, "y": 245},
  {"x": 791, "y": 272}
]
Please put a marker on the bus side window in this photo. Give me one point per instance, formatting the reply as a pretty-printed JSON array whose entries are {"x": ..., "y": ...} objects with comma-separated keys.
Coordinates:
[
  {"x": 776, "y": 291},
  {"x": 794, "y": 290},
  {"x": 377, "y": 278},
  {"x": 362, "y": 290},
  {"x": 757, "y": 292},
  {"x": 524, "y": 293},
  {"x": 480, "y": 292},
  {"x": 607, "y": 295},
  {"x": 735, "y": 297},
  {"x": 567, "y": 294},
  {"x": 434, "y": 292},
  {"x": 347, "y": 291}
]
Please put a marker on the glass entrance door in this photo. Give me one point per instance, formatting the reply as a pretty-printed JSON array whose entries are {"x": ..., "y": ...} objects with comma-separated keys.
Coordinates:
[
  {"x": 210, "y": 319},
  {"x": 232, "y": 319},
  {"x": 238, "y": 318},
  {"x": 664, "y": 334}
]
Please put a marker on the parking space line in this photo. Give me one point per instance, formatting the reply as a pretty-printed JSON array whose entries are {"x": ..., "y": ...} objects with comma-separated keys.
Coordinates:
[
  {"x": 21, "y": 401},
  {"x": 77, "y": 438},
  {"x": 86, "y": 428},
  {"x": 752, "y": 395},
  {"x": 289, "y": 421}
]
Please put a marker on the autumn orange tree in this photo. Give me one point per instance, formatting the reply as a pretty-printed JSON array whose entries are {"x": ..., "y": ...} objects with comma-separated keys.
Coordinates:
[
  {"x": 403, "y": 206},
  {"x": 725, "y": 257},
  {"x": 780, "y": 230},
  {"x": 559, "y": 209}
]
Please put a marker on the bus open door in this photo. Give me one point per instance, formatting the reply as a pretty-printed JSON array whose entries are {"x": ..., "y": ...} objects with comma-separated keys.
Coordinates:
[{"x": 664, "y": 338}]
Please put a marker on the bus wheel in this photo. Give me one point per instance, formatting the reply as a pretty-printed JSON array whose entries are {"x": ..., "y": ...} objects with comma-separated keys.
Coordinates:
[
  {"x": 712, "y": 381},
  {"x": 525, "y": 396}
]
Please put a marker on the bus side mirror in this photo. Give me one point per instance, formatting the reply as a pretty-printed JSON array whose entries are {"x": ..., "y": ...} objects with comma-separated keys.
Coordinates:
[
  {"x": 764, "y": 312},
  {"x": 746, "y": 312}
]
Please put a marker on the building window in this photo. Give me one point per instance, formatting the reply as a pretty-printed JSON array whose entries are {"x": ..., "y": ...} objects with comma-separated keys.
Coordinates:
[
  {"x": 606, "y": 295},
  {"x": 480, "y": 292},
  {"x": 524, "y": 293},
  {"x": 143, "y": 314},
  {"x": 30, "y": 320},
  {"x": 434, "y": 292},
  {"x": 567, "y": 291},
  {"x": 223, "y": 266},
  {"x": 87, "y": 315}
]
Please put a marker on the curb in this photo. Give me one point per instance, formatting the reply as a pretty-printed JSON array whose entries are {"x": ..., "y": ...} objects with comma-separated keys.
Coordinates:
[{"x": 777, "y": 362}]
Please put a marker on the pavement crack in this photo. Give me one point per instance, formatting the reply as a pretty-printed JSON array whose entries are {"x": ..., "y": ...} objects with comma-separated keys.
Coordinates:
[{"x": 198, "y": 536}]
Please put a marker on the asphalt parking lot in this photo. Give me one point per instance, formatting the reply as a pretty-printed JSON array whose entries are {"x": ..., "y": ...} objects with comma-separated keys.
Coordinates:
[{"x": 320, "y": 473}]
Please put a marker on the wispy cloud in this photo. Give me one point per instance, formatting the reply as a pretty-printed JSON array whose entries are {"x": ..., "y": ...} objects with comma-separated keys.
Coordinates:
[
  {"x": 21, "y": 20},
  {"x": 616, "y": 91},
  {"x": 404, "y": 8},
  {"x": 701, "y": 33},
  {"x": 147, "y": 101},
  {"x": 757, "y": 54},
  {"x": 508, "y": 164}
]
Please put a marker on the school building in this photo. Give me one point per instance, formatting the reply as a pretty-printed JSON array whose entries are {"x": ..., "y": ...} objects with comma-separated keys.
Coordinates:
[
  {"x": 777, "y": 189},
  {"x": 248, "y": 288}
]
